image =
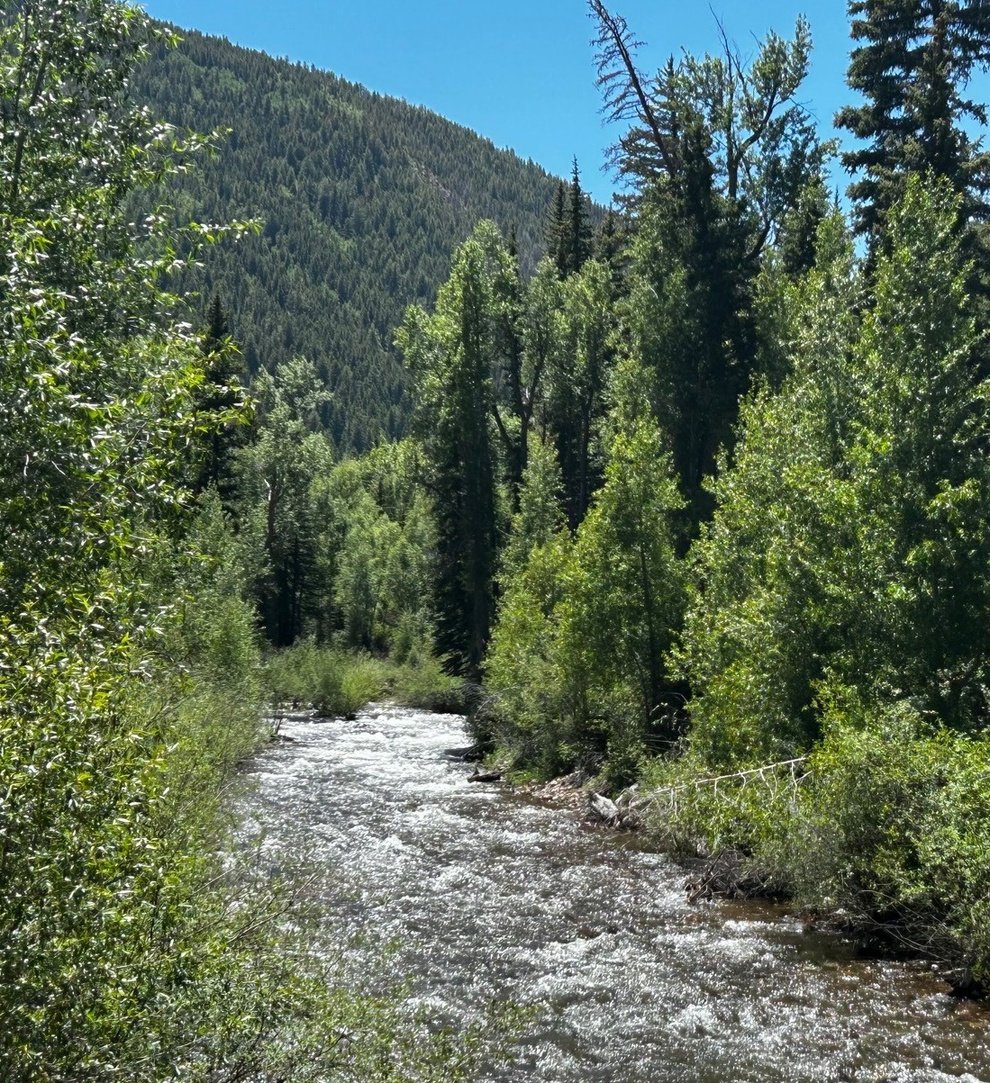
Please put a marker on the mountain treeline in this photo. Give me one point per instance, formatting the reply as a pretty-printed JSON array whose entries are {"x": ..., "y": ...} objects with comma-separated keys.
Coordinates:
[{"x": 361, "y": 197}]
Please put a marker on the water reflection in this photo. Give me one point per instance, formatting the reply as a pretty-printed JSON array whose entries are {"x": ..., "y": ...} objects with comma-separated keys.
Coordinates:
[{"x": 491, "y": 896}]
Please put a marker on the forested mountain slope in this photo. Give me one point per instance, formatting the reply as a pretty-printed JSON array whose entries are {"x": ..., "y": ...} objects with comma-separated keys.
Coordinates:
[{"x": 363, "y": 198}]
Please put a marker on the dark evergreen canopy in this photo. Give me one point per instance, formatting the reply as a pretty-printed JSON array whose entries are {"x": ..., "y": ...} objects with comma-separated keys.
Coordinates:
[{"x": 912, "y": 65}]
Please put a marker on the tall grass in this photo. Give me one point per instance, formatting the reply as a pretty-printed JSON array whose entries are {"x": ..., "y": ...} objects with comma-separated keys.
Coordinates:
[{"x": 337, "y": 683}]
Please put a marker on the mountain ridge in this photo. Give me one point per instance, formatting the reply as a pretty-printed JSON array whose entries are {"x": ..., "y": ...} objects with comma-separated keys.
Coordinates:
[{"x": 363, "y": 197}]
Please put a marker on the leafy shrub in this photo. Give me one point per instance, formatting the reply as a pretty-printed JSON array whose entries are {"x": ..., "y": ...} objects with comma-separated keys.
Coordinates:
[
  {"x": 886, "y": 822},
  {"x": 577, "y": 660},
  {"x": 422, "y": 682},
  {"x": 895, "y": 829},
  {"x": 333, "y": 681}
]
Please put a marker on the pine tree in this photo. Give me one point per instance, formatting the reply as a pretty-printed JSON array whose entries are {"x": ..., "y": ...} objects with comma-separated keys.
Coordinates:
[
  {"x": 217, "y": 325},
  {"x": 577, "y": 383},
  {"x": 609, "y": 247},
  {"x": 912, "y": 66},
  {"x": 691, "y": 315},
  {"x": 219, "y": 397},
  {"x": 568, "y": 229},
  {"x": 451, "y": 354},
  {"x": 798, "y": 240}
]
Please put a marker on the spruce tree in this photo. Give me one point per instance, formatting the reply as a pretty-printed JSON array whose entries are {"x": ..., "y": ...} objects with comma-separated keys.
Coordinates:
[
  {"x": 609, "y": 247},
  {"x": 912, "y": 64},
  {"x": 217, "y": 324},
  {"x": 556, "y": 228},
  {"x": 577, "y": 383},
  {"x": 577, "y": 238},
  {"x": 691, "y": 316},
  {"x": 450, "y": 354},
  {"x": 568, "y": 229},
  {"x": 219, "y": 397},
  {"x": 798, "y": 240}
]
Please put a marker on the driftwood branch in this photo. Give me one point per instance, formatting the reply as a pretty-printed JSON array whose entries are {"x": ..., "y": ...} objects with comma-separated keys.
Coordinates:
[
  {"x": 774, "y": 777},
  {"x": 739, "y": 776},
  {"x": 623, "y": 813}
]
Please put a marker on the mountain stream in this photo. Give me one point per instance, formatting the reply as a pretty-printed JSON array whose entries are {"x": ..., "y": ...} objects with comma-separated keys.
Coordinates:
[{"x": 490, "y": 896}]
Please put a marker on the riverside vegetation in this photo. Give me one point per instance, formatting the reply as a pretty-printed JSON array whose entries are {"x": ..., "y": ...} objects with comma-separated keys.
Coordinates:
[
  {"x": 700, "y": 500},
  {"x": 131, "y": 682},
  {"x": 711, "y": 490}
]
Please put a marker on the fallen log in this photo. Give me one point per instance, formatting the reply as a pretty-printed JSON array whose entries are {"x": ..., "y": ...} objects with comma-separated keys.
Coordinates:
[
  {"x": 620, "y": 814},
  {"x": 603, "y": 809},
  {"x": 485, "y": 776}
]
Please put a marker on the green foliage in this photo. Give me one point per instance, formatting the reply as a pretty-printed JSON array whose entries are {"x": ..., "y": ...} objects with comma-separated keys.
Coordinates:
[
  {"x": 111, "y": 958},
  {"x": 421, "y": 682},
  {"x": 129, "y": 948},
  {"x": 920, "y": 473},
  {"x": 382, "y": 584},
  {"x": 744, "y": 819},
  {"x": 281, "y": 496},
  {"x": 221, "y": 395},
  {"x": 886, "y": 823},
  {"x": 850, "y": 533},
  {"x": 205, "y": 587},
  {"x": 495, "y": 364},
  {"x": 767, "y": 571},
  {"x": 718, "y": 153},
  {"x": 522, "y": 668},
  {"x": 569, "y": 231},
  {"x": 452, "y": 354},
  {"x": 839, "y": 597},
  {"x": 128, "y": 685},
  {"x": 624, "y": 594},
  {"x": 540, "y": 514},
  {"x": 577, "y": 658},
  {"x": 339, "y": 682},
  {"x": 577, "y": 378},
  {"x": 335, "y": 682},
  {"x": 894, "y": 827},
  {"x": 690, "y": 319},
  {"x": 912, "y": 64}
]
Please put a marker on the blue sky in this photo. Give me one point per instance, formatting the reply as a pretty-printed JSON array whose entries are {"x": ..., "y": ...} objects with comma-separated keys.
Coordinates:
[{"x": 521, "y": 73}]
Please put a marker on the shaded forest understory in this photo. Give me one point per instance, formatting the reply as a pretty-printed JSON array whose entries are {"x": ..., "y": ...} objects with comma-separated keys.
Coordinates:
[{"x": 698, "y": 498}]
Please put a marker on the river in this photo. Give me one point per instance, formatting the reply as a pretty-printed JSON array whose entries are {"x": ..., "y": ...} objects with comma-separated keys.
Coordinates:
[{"x": 489, "y": 896}]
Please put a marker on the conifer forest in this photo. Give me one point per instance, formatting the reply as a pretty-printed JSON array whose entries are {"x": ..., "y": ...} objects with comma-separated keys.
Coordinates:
[{"x": 310, "y": 397}]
